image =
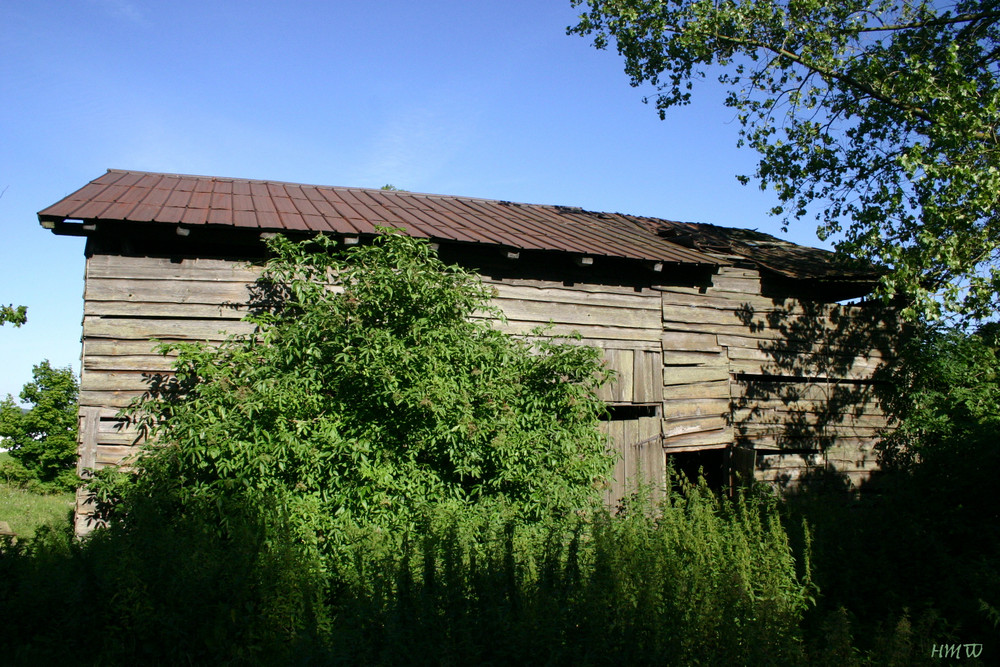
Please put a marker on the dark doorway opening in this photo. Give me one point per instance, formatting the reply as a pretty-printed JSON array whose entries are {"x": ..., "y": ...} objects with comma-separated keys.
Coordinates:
[{"x": 712, "y": 464}]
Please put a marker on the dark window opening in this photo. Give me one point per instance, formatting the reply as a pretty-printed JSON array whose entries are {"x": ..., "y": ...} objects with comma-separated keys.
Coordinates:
[
  {"x": 712, "y": 464},
  {"x": 632, "y": 411}
]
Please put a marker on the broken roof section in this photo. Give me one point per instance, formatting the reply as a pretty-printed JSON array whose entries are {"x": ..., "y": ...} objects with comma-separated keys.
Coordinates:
[{"x": 193, "y": 201}]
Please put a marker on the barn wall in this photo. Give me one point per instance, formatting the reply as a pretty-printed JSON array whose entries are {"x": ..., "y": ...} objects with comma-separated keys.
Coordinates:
[
  {"x": 784, "y": 381},
  {"x": 718, "y": 366},
  {"x": 128, "y": 300}
]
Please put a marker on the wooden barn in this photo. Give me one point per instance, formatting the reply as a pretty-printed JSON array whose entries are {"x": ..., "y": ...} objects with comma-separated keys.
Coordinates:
[{"x": 733, "y": 352}]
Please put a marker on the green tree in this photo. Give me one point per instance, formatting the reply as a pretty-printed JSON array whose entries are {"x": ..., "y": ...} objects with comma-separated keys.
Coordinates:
[
  {"x": 373, "y": 387},
  {"x": 42, "y": 439},
  {"x": 16, "y": 315},
  {"x": 879, "y": 117},
  {"x": 944, "y": 395}
]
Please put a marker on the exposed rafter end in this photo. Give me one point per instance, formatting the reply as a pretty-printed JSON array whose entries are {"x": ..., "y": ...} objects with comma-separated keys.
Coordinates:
[
  {"x": 89, "y": 226},
  {"x": 584, "y": 261},
  {"x": 183, "y": 231},
  {"x": 512, "y": 254},
  {"x": 655, "y": 266},
  {"x": 48, "y": 224},
  {"x": 351, "y": 240}
]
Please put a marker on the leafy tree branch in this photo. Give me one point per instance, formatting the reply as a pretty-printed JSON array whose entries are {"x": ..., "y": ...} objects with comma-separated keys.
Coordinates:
[
  {"x": 16, "y": 315},
  {"x": 877, "y": 118}
]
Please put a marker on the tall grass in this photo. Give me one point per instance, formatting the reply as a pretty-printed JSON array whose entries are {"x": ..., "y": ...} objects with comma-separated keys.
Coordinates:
[
  {"x": 25, "y": 512},
  {"x": 697, "y": 580}
]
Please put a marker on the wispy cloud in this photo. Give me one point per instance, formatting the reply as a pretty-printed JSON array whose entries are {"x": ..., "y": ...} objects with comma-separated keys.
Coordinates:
[
  {"x": 413, "y": 147},
  {"x": 121, "y": 9}
]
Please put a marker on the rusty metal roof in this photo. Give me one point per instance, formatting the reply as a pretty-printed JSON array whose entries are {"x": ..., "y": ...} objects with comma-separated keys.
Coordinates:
[{"x": 192, "y": 201}]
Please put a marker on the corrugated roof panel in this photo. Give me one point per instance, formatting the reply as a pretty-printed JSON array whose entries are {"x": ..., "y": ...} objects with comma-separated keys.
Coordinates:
[
  {"x": 195, "y": 216},
  {"x": 151, "y": 197},
  {"x": 317, "y": 223},
  {"x": 220, "y": 216},
  {"x": 171, "y": 214},
  {"x": 185, "y": 185},
  {"x": 156, "y": 197},
  {"x": 118, "y": 211},
  {"x": 245, "y": 218},
  {"x": 304, "y": 206},
  {"x": 178, "y": 198},
  {"x": 200, "y": 200},
  {"x": 207, "y": 185},
  {"x": 111, "y": 193},
  {"x": 341, "y": 226},
  {"x": 127, "y": 178},
  {"x": 222, "y": 200},
  {"x": 144, "y": 212},
  {"x": 268, "y": 219},
  {"x": 111, "y": 176},
  {"x": 90, "y": 209},
  {"x": 284, "y": 204},
  {"x": 242, "y": 202},
  {"x": 262, "y": 203},
  {"x": 293, "y": 220}
]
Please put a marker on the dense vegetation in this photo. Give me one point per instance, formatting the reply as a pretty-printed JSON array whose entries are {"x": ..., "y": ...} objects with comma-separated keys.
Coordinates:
[
  {"x": 285, "y": 518},
  {"x": 372, "y": 387},
  {"x": 915, "y": 556},
  {"x": 878, "y": 117},
  {"x": 710, "y": 581},
  {"x": 42, "y": 439}
]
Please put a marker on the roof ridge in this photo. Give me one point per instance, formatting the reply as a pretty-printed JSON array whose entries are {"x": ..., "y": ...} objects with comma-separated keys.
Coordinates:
[{"x": 235, "y": 179}]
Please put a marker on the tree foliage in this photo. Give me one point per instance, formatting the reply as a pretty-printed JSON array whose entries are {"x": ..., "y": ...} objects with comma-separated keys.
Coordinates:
[
  {"x": 373, "y": 386},
  {"x": 877, "y": 116},
  {"x": 42, "y": 439},
  {"x": 943, "y": 394},
  {"x": 16, "y": 315}
]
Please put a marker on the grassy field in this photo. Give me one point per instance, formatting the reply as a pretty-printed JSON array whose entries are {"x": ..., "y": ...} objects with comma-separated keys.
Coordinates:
[{"x": 24, "y": 512}]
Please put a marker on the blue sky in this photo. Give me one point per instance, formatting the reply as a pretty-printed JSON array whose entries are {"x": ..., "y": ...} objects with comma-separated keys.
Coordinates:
[{"x": 488, "y": 99}]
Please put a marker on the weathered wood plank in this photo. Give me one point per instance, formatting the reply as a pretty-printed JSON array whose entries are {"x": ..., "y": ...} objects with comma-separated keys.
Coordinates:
[
  {"x": 687, "y": 341},
  {"x": 673, "y": 375},
  {"x": 693, "y": 358},
  {"x": 701, "y": 407},
  {"x": 161, "y": 268},
  {"x": 699, "y": 424},
  {"x": 577, "y": 287},
  {"x": 696, "y": 391},
  {"x": 88, "y": 419},
  {"x": 740, "y": 284},
  {"x": 791, "y": 433},
  {"x": 703, "y": 316},
  {"x": 764, "y": 415},
  {"x": 144, "y": 329},
  {"x": 621, "y": 388},
  {"x": 135, "y": 363},
  {"x": 224, "y": 313},
  {"x": 588, "y": 332},
  {"x": 766, "y": 341},
  {"x": 818, "y": 393},
  {"x": 646, "y": 377},
  {"x": 112, "y": 381},
  {"x": 647, "y": 300},
  {"x": 166, "y": 291},
  {"x": 720, "y": 437},
  {"x": 575, "y": 314},
  {"x": 113, "y": 455},
  {"x": 860, "y": 371}
]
